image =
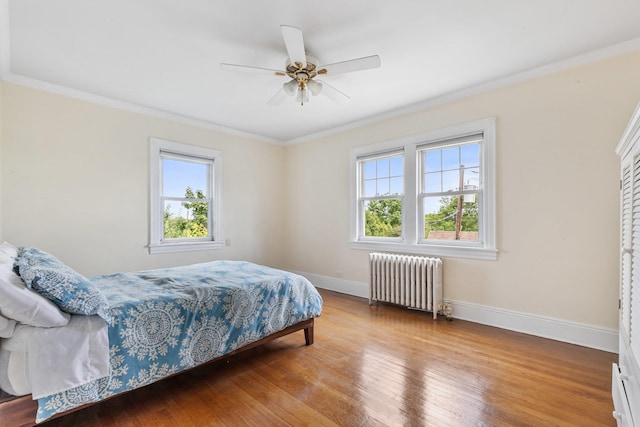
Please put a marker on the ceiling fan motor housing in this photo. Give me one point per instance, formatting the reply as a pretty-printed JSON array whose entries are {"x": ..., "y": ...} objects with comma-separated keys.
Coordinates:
[{"x": 302, "y": 74}]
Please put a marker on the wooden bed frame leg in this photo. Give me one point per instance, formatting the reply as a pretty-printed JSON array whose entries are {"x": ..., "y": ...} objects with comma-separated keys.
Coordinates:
[{"x": 308, "y": 335}]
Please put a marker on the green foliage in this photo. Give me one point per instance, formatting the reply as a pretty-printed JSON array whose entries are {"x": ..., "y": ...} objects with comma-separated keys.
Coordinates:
[
  {"x": 195, "y": 224},
  {"x": 445, "y": 218},
  {"x": 383, "y": 218}
]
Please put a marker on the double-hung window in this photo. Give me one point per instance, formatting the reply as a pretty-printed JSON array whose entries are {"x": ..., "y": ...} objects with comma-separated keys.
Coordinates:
[
  {"x": 380, "y": 196},
  {"x": 449, "y": 194},
  {"x": 432, "y": 193},
  {"x": 185, "y": 197}
]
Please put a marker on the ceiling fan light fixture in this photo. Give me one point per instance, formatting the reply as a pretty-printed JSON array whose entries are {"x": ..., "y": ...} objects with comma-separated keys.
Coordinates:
[
  {"x": 315, "y": 87},
  {"x": 302, "y": 96},
  {"x": 290, "y": 87}
]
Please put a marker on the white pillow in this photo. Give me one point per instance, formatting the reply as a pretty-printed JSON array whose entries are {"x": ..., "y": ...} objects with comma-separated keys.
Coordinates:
[
  {"x": 6, "y": 259},
  {"x": 24, "y": 305},
  {"x": 7, "y": 326},
  {"x": 8, "y": 253},
  {"x": 9, "y": 249}
]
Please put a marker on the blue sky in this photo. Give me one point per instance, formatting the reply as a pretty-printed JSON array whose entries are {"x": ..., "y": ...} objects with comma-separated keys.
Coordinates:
[
  {"x": 441, "y": 167},
  {"x": 383, "y": 176},
  {"x": 177, "y": 175},
  {"x": 441, "y": 173}
]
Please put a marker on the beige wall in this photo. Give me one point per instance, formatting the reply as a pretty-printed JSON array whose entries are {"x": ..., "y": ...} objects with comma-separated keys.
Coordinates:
[
  {"x": 76, "y": 183},
  {"x": 557, "y": 194}
]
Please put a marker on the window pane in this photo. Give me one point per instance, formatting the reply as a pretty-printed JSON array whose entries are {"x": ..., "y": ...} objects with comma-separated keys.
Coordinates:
[
  {"x": 185, "y": 219},
  {"x": 470, "y": 155},
  {"x": 396, "y": 166},
  {"x": 382, "y": 177},
  {"x": 432, "y": 160},
  {"x": 471, "y": 178},
  {"x": 433, "y": 182},
  {"x": 369, "y": 170},
  {"x": 396, "y": 186},
  {"x": 451, "y": 180},
  {"x": 446, "y": 176},
  {"x": 382, "y": 166},
  {"x": 177, "y": 175},
  {"x": 383, "y": 187},
  {"x": 451, "y": 158},
  {"x": 383, "y": 218},
  {"x": 441, "y": 215},
  {"x": 369, "y": 188}
]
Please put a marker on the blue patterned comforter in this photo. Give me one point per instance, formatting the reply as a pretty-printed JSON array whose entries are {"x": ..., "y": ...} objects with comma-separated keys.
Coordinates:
[{"x": 164, "y": 321}]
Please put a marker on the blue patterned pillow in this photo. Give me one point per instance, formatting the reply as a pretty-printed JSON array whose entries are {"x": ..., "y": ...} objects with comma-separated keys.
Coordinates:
[{"x": 65, "y": 287}]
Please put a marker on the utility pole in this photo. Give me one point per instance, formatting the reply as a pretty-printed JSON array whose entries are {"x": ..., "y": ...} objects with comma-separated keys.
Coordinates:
[{"x": 460, "y": 197}]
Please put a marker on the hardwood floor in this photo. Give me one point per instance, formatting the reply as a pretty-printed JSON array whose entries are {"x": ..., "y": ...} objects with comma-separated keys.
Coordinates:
[{"x": 379, "y": 366}]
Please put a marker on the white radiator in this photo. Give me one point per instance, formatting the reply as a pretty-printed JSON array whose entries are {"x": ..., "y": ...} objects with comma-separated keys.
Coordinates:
[{"x": 411, "y": 281}]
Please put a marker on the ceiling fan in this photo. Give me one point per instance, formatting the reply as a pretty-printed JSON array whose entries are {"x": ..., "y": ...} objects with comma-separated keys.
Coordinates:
[{"x": 302, "y": 69}]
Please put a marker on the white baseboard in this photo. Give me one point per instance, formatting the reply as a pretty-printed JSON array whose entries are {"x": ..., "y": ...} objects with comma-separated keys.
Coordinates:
[
  {"x": 542, "y": 326},
  {"x": 343, "y": 286},
  {"x": 546, "y": 327}
]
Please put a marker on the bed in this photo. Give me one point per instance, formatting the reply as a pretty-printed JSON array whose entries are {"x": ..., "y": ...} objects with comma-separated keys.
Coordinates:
[{"x": 68, "y": 341}]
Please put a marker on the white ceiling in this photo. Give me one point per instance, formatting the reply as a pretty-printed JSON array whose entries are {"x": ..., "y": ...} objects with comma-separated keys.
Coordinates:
[{"x": 165, "y": 55}]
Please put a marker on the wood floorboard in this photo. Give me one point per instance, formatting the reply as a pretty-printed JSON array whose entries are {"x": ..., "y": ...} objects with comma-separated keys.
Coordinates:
[{"x": 379, "y": 366}]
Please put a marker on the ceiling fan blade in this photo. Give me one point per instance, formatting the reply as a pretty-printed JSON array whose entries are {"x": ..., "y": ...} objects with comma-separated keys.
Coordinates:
[
  {"x": 365, "y": 63},
  {"x": 333, "y": 94},
  {"x": 250, "y": 69},
  {"x": 295, "y": 44},
  {"x": 278, "y": 98}
]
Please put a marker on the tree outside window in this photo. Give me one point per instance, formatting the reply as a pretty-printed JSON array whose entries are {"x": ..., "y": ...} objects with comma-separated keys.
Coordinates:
[
  {"x": 381, "y": 189},
  {"x": 194, "y": 224}
]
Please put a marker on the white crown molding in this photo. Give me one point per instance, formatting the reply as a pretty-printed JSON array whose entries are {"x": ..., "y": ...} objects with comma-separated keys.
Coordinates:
[
  {"x": 522, "y": 76},
  {"x": 7, "y": 75},
  {"x": 531, "y": 324},
  {"x": 131, "y": 107}
]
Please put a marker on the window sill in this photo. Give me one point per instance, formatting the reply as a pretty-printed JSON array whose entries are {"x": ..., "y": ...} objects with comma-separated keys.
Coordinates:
[
  {"x": 429, "y": 250},
  {"x": 163, "y": 248}
]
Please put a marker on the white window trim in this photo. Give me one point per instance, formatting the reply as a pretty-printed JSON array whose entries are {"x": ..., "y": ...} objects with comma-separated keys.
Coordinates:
[
  {"x": 157, "y": 244},
  {"x": 486, "y": 249},
  {"x": 360, "y": 232}
]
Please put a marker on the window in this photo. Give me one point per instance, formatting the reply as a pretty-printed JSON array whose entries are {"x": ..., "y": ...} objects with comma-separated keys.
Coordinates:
[
  {"x": 431, "y": 193},
  {"x": 449, "y": 192},
  {"x": 185, "y": 197},
  {"x": 381, "y": 192}
]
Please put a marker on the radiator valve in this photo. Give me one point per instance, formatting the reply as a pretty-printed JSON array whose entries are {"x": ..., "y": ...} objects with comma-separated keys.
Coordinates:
[{"x": 445, "y": 309}]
